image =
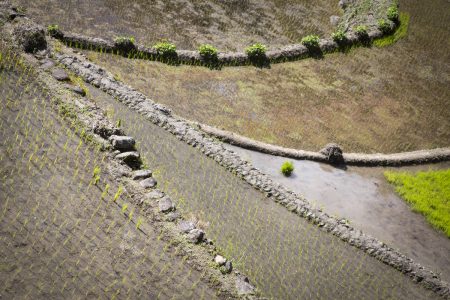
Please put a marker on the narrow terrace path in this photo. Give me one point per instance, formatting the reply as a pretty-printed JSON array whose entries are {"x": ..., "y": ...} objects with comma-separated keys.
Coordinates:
[{"x": 288, "y": 257}]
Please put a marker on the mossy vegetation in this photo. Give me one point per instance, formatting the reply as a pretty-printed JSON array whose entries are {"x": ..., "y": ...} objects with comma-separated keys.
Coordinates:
[
  {"x": 165, "y": 49},
  {"x": 208, "y": 52},
  {"x": 428, "y": 193},
  {"x": 256, "y": 51},
  {"x": 399, "y": 33},
  {"x": 311, "y": 41},
  {"x": 287, "y": 168}
]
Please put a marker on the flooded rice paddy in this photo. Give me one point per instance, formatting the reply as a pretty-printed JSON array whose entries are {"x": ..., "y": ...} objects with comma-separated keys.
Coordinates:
[
  {"x": 286, "y": 256},
  {"x": 363, "y": 196},
  {"x": 228, "y": 25},
  {"x": 61, "y": 236}
]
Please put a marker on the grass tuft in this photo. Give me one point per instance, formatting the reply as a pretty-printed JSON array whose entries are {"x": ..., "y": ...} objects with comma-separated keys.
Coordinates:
[
  {"x": 287, "y": 168},
  {"x": 427, "y": 192},
  {"x": 400, "y": 32}
]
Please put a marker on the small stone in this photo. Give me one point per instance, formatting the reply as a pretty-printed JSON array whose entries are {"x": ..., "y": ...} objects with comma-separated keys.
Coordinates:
[
  {"x": 228, "y": 266},
  {"x": 244, "y": 287},
  {"x": 47, "y": 64},
  {"x": 60, "y": 74},
  {"x": 334, "y": 20},
  {"x": 155, "y": 194},
  {"x": 148, "y": 183},
  {"x": 220, "y": 260},
  {"x": 186, "y": 226},
  {"x": 132, "y": 159},
  {"x": 196, "y": 236},
  {"x": 77, "y": 90},
  {"x": 166, "y": 205},
  {"x": 172, "y": 216},
  {"x": 141, "y": 174},
  {"x": 122, "y": 143}
]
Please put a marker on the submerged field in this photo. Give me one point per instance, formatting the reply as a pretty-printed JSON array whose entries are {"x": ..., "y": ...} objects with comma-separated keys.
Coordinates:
[
  {"x": 372, "y": 99},
  {"x": 228, "y": 25},
  {"x": 63, "y": 236},
  {"x": 277, "y": 249}
]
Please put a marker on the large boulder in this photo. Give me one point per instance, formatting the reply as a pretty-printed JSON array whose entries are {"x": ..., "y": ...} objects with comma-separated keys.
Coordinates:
[
  {"x": 333, "y": 152},
  {"x": 31, "y": 37}
]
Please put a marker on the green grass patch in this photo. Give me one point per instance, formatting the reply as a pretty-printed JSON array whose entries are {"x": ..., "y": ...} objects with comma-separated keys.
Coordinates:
[
  {"x": 400, "y": 32},
  {"x": 427, "y": 192}
]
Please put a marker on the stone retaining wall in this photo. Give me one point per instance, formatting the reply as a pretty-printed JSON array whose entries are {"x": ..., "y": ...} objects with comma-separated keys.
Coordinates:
[
  {"x": 359, "y": 159},
  {"x": 295, "y": 203}
]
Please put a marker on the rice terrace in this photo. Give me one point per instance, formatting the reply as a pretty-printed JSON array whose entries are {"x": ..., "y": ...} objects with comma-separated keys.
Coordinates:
[{"x": 225, "y": 149}]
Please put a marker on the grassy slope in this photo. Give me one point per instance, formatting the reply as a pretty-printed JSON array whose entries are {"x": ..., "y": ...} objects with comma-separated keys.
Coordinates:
[{"x": 428, "y": 193}]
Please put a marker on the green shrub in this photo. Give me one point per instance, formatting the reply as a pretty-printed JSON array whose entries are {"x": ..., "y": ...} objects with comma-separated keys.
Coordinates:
[
  {"x": 339, "y": 36},
  {"x": 393, "y": 13},
  {"x": 53, "y": 31},
  {"x": 125, "y": 44},
  {"x": 122, "y": 40},
  {"x": 208, "y": 52},
  {"x": 400, "y": 32},
  {"x": 287, "y": 168},
  {"x": 384, "y": 26},
  {"x": 361, "y": 30},
  {"x": 165, "y": 49},
  {"x": 256, "y": 51},
  {"x": 311, "y": 41}
]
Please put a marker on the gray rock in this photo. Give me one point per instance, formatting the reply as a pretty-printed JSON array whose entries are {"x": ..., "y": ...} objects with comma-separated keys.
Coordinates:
[
  {"x": 148, "y": 183},
  {"x": 166, "y": 205},
  {"x": 122, "y": 143},
  {"x": 229, "y": 266},
  {"x": 172, "y": 216},
  {"x": 196, "y": 236},
  {"x": 333, "y": 152},
  {"x": 60, "y": 74},
  {"x": 186, "y": 226},
  {"x": 30, "y": 37},
  {"x": 155, "y": 194},
  {"x": 141, "y": 174},
  {"x": 47, "y": 64},
  {"x": 220, "y": 260},
  {"x": 334, "y": 20},
  {"x": 131, "y": 158},
  {"x": 76, "y": 89},
  {"x": 244, "y": 287},
  {"x": 344, "y": 3}
]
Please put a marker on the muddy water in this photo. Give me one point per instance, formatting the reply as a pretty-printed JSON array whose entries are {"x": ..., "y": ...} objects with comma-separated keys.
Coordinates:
[
  {"x": 286, "y": 256},
  {"x": 228, "y": 25},
  {"x": 363, "y": 196}
]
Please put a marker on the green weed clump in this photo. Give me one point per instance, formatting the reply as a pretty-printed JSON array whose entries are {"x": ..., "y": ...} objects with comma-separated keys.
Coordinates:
[
  {"x": 53, "y": 31},
  {"x": 399, "y": 33},
  {"x": 393, "y": 13},
  {"x": 384, "y": 26},
  {"x": 287, "y": 168},
  {"x": 165, "y": 49},
  {"x": 361, "y": 30},
  {"x": 125, "y": 44},
  {"x": 256, "y": 51},
  {"x": 339, "y": 36},
  {"x": 427, "y": 192},
  {"x": 311, "y": 41},
  {"x": 208, "y": 52}
]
